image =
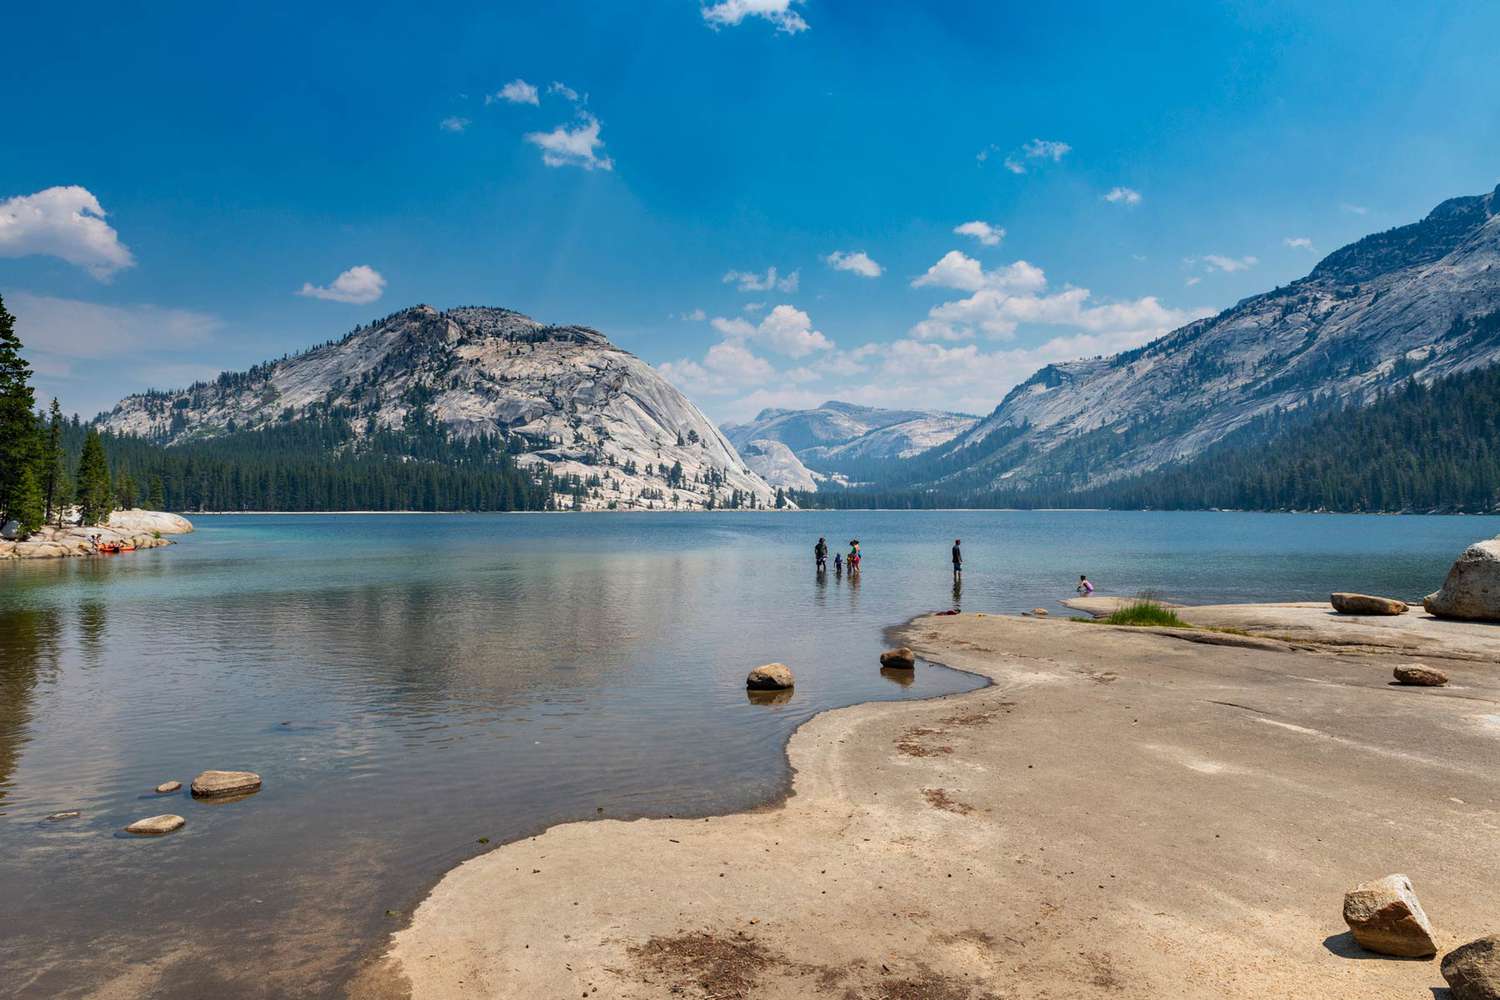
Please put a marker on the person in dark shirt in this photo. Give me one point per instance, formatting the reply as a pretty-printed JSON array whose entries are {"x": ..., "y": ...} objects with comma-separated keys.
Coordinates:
[
  {"x": 820, "y": 555},
  {"x": 958, "y": 559}
]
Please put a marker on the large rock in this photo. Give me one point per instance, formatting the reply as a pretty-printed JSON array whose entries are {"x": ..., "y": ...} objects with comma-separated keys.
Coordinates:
[
  {"x": 1473, "y": 971},
  {"x": 137, "y": 520},
  {"x": 898, "y": 659},
  {"x": 217, "y": 784},
  {"x": 1365, "y": 604},
  {"x": 1472, "y": 589},
  {"x": 1420, "y": 674},
  {"x": 1386, "y": 918},
  {"x": 769, "y": 677},
  {"x": 155, "y": 826}
]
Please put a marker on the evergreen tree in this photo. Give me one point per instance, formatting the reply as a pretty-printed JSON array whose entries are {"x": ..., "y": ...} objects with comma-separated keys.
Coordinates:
[
  {"x": 62, "y": 497},
  {"x": 158, "y": 498},
  {"x": 26, "y": 504},
  {"x": 94, "y": 493},
  {"x": 52, "y": 462},
  {"x": 18, "y": 431}
]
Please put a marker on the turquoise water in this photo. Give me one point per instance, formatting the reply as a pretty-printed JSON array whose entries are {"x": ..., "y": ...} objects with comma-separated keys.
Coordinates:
[{"x": 407, "y": 685}]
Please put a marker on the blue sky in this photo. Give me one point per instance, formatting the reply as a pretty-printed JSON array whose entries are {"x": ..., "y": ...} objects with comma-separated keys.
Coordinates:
[{"x": 272, "y": 176}]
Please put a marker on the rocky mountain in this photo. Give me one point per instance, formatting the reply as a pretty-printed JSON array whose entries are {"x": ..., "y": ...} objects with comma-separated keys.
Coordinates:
[
  {"x": 798, "y": 449},
  {"x": 1421, "y": 300},
  {"x": 561, "y": 398}
]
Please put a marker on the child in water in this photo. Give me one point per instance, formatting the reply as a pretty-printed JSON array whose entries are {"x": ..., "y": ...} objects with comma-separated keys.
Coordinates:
[
  {"x": 838, "y": 563},
  {"x": 1084, "y": 587}
]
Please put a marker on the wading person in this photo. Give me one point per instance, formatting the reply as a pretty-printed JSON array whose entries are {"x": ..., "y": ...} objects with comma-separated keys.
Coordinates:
[
  {"x": 1084, "y": 587},
  {"x": 820, "y": 556},
  {"x": 854, "y": 556},
  {"x": 958, "y": 560}
]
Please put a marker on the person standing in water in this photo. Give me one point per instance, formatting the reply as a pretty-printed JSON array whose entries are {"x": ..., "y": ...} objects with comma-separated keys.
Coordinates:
[
  {"x": 820, "y": 555},
  {"x": 854, "y": 555},
  {"x": 838, "y": 564},
  {"x": 958, "y": 560}
]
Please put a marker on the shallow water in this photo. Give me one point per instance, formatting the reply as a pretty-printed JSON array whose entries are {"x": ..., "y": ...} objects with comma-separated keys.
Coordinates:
[{"x": 408, "y": 685}]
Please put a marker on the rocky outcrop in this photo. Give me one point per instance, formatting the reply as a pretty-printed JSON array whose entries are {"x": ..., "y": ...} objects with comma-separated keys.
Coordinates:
[
  {"x": 770, "y": 677},
  {"x": 1365, "y": 604},
  {"x": 1420, "y": 675},
  {"x": 898, "y": 659},
  {"x": 1387, "y": 919},
  {"x": 220, "y": 784},
  {"x": 1472, "y": 589},
  {"x": 1473, "y": 970},
  {"x": 138, "y": 521},
  {"x": 59, "y": 543},
  {"x": 155, "y": 826}
]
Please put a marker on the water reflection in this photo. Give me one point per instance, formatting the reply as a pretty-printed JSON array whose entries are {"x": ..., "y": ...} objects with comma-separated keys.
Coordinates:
[
  {"x": 29, "y": 639},
  {"x": 768, "y": 697},
  {"x": 902, "y": 678}
]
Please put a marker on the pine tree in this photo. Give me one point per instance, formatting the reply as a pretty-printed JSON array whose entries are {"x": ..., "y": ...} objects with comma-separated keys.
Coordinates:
[
  {"x": 62, "y": 497},
  {"x": 158, "y": 498},
  {"x": 26, "y": 504},
  {"x": 94, "y": 493},
  {"x": 18, "y": 431},
  {"x": 52, "y": 461}
]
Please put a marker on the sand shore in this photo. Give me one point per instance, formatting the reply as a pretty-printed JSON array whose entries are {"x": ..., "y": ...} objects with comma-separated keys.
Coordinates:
[{"x": 1124, "y": 813}]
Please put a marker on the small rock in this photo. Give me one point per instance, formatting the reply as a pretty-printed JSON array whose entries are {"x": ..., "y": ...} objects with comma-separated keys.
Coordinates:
[
  {"x": 1473, "y": 970},
  {"x": 1420, "y": 674},
  {"x": 155, "y": 826},
  {"x": 1387, "y": 919},
  {"x": 769, "y": 677},
  {"x": 59, "y": 817},
  {"x": 168, "y": 786},
  {"x": 898, "y": 659},
  {"x": 213, "y": 784},
  {"x": 1039, "y": 612},
  {"x": 1365, "y": 604}
]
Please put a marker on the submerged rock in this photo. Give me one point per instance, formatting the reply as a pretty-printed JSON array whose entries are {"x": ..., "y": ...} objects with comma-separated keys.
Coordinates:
[
  {"x": 215, "y": 784},
  {"x": 769, "y": 677},
  {"x": 1472, "y": 589},
  {"x": 898, "y": 659},
  {"x": 67, "y": 814},
  {"x": 155, "y": 826},
  {"x": 1473, "y": 970},
  {"x": 1420, "y": 675},
  {"x": 1387, "y": 919},
  {"x": 168, "y": 786},
  {"x": 1366, "y": 604}
]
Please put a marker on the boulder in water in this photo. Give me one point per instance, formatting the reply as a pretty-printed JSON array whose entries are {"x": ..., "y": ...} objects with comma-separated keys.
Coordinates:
[
  {"x": 1420, "y": 675},
  {"x": 1472, "y": 589},
  {"x": 1039, "y": 612},
  {"x": 1365, "y": 604},
  {"x": 155, "y": 826},
  {"x": 898, "y": 659},
  {"x": 1473, "y": 970},
  {"x": 217, "y": 784},
  {"x": 168, "y": 786},
  {"x": 769, "y": 677},
  {"x": 1387, "y": 919}
]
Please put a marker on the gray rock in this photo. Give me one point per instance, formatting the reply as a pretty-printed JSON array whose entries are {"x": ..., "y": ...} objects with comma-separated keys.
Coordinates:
[
  {"x": 1387, "y": 919},
  {"x": 59, "y": 817},
  {"x": 1366, "y": 604},
  {"x": 769, "y": 677},
  {"x": 1472, "y": 589},
  {"x": 898, "y": 659},
  {"x": 1473, "y": 970},
  {"x": 168, "y": 786},
  {"x": 155, "y": 826},
  {"x": 216, "y": 784},
  {"x": 1420, "y": 675}
]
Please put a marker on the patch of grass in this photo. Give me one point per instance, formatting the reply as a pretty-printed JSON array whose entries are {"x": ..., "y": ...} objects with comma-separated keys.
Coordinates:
[{"x": 1145, "y": 610}]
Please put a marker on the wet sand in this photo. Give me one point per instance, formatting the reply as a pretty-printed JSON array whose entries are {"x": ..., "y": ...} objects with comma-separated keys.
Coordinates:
[{"x": 1124, "y": 813}]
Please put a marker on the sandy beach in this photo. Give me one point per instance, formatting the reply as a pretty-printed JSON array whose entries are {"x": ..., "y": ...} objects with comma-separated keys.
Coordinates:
[{"x": 1123, "y": 813}]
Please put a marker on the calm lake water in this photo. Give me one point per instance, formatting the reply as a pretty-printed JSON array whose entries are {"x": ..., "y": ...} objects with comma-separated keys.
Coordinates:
[{"x": 407, "y": 685}]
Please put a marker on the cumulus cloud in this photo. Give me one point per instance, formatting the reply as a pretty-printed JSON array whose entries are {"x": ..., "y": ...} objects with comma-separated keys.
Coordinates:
[
  {"x": 858, "y": 262},
  {"x": 453, "y": 123},
  {"x": 750, "y": 281},
  {"x": 63, "y": 222},
  {"x": 1229, "y": 265},
  {"x": 728, "y": 13},
  {"x": 960, "y": 271},
  {"x": 563, "y": 90},
  {"x": 358, "y": 285},
  {"x": 518, "y": 91},
  {"x": 1037, "y": 150},
  {"x": 1123, "y": 196},
  {"x": 1298, "y": 242},
  {"x": 576, "y": 146},
  {"x": 753, "y": 307},
  {"x": 984, "y": 232},
  {"x": 789, "y": 330}
]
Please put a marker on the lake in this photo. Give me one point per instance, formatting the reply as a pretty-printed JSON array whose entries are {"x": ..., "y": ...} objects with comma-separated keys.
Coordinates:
[{"x": 416, "y": 689}]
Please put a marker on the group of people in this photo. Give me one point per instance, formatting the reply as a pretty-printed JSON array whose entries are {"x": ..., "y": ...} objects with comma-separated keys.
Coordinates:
[{"x": 820, "y": 558}]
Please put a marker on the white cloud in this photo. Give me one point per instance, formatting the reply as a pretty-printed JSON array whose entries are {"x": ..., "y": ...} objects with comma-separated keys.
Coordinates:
[
  {"x": 1229, "y": 265},
  {"x": 777, "y": 12},
  {"x": 733, "y": 327},
  {"x": 358, "y": 285},
  {"x": 984, "y": 232},
  {"x": 857, "y": 261},
  {"x": 68, "y": 328},
  {"x": 453, "y": 123},
  {"x": 789, "y": 330},
  {"x": 518, "y": 91},
  {"x": 753, "y": 307},
  {"x": 750, "y": 281},
  {"x": 1353, "y": 209},
  {"x": 958, "y": 270},
  {"x": 63, "y": 222},
  {"x": 696, "y": 316},
  {"x": 1192, "y": 281},
  {"x": 560, "y": 88},
  {"x": 1037, "y": 149},
  {"x": 578, "y": 146},
  {"x": 1298, "y": 242},
  {"x": 1123, "y": 196}
]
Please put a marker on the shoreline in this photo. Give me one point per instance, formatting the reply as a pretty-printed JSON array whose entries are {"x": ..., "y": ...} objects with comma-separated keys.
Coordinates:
[{"x": 658, "y": 907}]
